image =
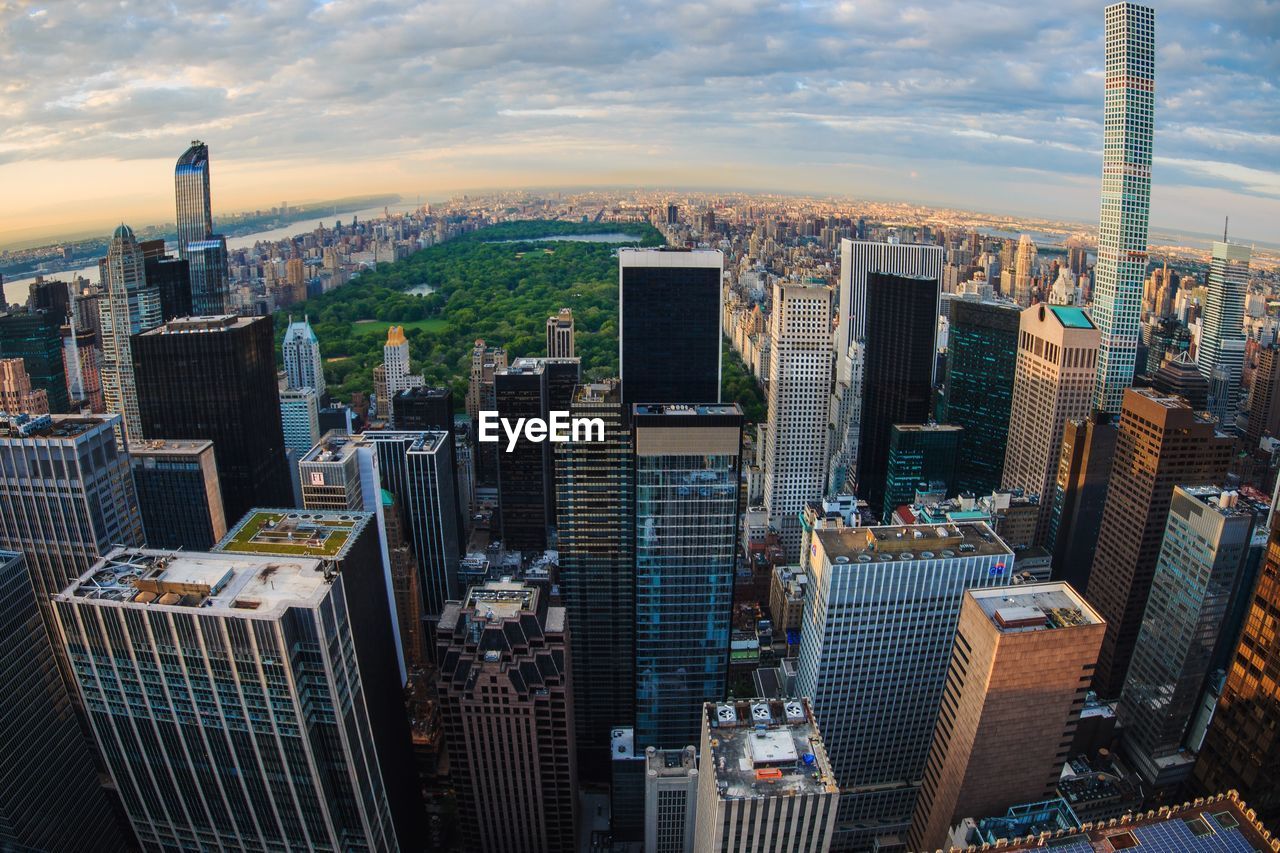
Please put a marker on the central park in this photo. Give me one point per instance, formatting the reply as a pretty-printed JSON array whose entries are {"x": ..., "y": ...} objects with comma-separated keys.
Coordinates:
[{"x": 499, "y": 284}]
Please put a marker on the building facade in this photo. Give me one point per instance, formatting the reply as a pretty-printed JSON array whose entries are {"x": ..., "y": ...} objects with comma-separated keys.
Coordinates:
[
  {"x": 670, "y": 799},
  {"x": 1128, "y": 128},
  {"x": 505, "y": 693},
  {"x": 560, "y": 334},
  {"x": 131, "y": 307},
  {"x": 204, "y": 251},
  {"x": 303, "y": 364},
  {"x": 879, "y": 624},
  {"x": 1079, "y": 494},
  {"x": 1221, "y": 346},
  {"x": 687, "y": 467},
  {"x": 178, "y": 493},
  {"x": 214, "y": 378},
  {"x": 524, "y": 476},
  {"x": 1021, "y": 652},
  {"x": 799, "y": 388},
  {"x": 982, "y": 355},
  {"x": 1161, "y": 443},
  {"x": 1053, "y": 383},
  {"x": 920, "y": 454},
  {"x": 766, "y": 782},
  {"x": 669, "y": 322}
]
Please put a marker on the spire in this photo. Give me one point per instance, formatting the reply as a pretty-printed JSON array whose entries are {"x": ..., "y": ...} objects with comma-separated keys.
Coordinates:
[{"x": 1224, "y": 228}]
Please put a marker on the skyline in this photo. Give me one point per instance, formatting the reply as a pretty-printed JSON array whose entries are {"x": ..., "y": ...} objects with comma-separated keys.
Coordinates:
[{"x": 740, "y": 94}]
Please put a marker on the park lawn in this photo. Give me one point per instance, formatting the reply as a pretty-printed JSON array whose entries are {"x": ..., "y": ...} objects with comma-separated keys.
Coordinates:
[{"x": 370, "y": 327}]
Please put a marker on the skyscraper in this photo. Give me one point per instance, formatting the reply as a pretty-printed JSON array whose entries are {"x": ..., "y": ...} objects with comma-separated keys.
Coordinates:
[
  {"x": 1197, "y": 576},
  {"x": 766, "y": 782},
  {"x": 52, "y": 798},
  {"x": 215, "y": 378},
  {"x": 1057, "y": 357},
  {"x": 395, "y": 361},
  {"x": 919, "y": 454},
  {"x": 36, "y": 338},
  {"x": 16, "y": 394},
  {"x": 560, "y": 334},
  {"x": 486, "y": 361},
  {"x": 669, "y": 321},
  {"x": 858, "y": 259},
  {"x": 901, "y": 356},
  {"x": 423, "y": 408},
  {"x": 505, "y": 697},
  {"x": 523, "y": 472},
  {"x": 131, "y": 307},
  {"x": 982, "y": 356},
  {"x": 178, "y": 493},
  {"x": 271, "y": 731},
  {"x": 597, "y": 570},
  {"x": 796, "y": 441},
  {"x": 1161, "y": 443},
  {"x": 1240, "y": 750},
  {"x": 299, "y": 419},
  {"x": 204, "y": 251},
  {"x": 1021, "y": 653},
  {"x": 878, "y": 627},
  {"x": 417, "y": 467},
  {"x": 303, "y": 365},
  {"x": 170, "y": 276},
  {"x": 1023, "y": 271},
  {"x": 1221, "y": 346},
  {"x": 1128, "y": 125},
  {"x": 687, "y": 475},
  {"x": 62, "y": 524},
  {"x": 1079, "y": 494},
  {"x": 670, "y": 799}
]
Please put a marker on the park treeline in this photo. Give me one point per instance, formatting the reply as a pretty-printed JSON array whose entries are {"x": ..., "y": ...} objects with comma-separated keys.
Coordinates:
[{"x": 502, "y": 292}]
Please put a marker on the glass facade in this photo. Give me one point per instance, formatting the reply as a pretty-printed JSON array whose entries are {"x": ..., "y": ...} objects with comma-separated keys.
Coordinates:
[
  {"x": 687, "y": 468},
  {"x": 205, "y": 251},
  {"x": 919, "y": 454},
  {"x": 982, "y": 353},
  {"x": 35, "y": 337}
]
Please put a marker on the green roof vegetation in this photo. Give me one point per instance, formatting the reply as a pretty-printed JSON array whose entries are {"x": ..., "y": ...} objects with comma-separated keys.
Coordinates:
[{"x": 264, "y": 533}]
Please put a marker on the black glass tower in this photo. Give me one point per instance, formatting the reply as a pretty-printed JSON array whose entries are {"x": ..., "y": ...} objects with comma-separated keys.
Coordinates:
[
  {"x": 597, "y": 573},
  {"x": 902, "y": 321},
  {"x": 669, "y": 346},
  {"x": 982, "y": 351},
  {"x": 36, "y": 338},
  {"x": 523, "y": 472},
  {"x": 169, "y": 275},
  {"x": 215, "y": 378}
]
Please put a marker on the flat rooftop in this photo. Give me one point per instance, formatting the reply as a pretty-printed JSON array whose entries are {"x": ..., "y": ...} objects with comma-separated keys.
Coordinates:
[
  {"x": 504, "y": 599},
  {"x": 676, "y": 409},
  {"x": 49, "y": 426},
  {"x": 1072, "y": 317},
  {"x": 334, "y": 448},
  {"x": 910, "y": 541},
  {"x": 419, "y": 441},
  {"x": 1034, "y": 607},
  {"x": 169, "y": 447},
  {"x": 1230, "y": 503},
  {"x": 767, "y": 748},
  {"x": 202, "y": 324},
  {"x": 319, "y": 534},
  {"x": 248, "y": 583},
  {"x": 1218, "y": 823}
]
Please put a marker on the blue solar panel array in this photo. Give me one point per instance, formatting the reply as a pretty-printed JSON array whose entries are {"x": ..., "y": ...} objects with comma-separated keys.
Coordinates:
[{"x": 1169, "y": 836}]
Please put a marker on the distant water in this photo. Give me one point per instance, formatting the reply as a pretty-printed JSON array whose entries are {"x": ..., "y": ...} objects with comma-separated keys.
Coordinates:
[{"x": 15, "y": 290}]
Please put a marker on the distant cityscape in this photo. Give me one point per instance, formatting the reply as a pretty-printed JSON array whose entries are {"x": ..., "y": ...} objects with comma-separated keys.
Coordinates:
[{"x": 894, "y": 528}]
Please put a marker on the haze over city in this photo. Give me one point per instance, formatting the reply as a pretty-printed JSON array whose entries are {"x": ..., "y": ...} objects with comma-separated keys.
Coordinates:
[{"x": 991, "y": 108}]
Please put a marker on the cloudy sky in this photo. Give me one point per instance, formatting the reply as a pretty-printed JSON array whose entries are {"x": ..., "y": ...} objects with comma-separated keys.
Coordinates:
[{"x": 989, "y": 104}]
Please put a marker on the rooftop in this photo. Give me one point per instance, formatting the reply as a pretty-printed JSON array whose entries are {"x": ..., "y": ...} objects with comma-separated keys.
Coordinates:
[
  {"x": 50, "y": 426},
  {"x": 598, "y": 392},
  {"x": 767, "y": 748},
  {"x": 1219, "y": 823},
  {"x": 909, "y": 542},
  {"x": 334, "y": 448},
  {"x": 1072, "y": 317},
  {"x": 419, "y": 441},
  {"x": 1230, "y": 503},
  {"x": 502, "y": 599},
  {"x": 671, "y": 762},
  {"x": 677, "y": 409},
  {"x": 170, "y": 447},
  {"x": 668, "y": 256},
  {"x": 255, "y": 584},
  {"x": 319, "y": 534},
  {"x": 1034, "y": 607},
  {"x": 207, "y": 323}
]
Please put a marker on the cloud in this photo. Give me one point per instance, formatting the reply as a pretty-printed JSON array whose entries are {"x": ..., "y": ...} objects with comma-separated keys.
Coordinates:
[{"x": 974, "y": 95}]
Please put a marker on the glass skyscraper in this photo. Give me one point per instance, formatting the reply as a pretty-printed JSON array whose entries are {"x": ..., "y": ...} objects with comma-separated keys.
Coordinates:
[
  {"x": 687, "y": 468},
  {"x": 1129, "y": 118},
  {"x": 205, "y": 252},
  {"x": 919, "y": 454},
  {"x": 879, "y": 621},
  {"x": 228, "y": 698},
  {"x": 982, "y": 354},
  {"x": 1222, "y": 339}
]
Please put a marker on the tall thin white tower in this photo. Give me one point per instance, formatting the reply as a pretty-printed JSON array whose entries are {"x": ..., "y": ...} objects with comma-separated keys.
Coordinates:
[{"x": 1126, "y": 196}]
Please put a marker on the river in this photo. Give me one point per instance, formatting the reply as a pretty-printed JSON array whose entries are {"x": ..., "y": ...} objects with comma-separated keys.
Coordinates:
[{"x": 15, "y": 290}]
